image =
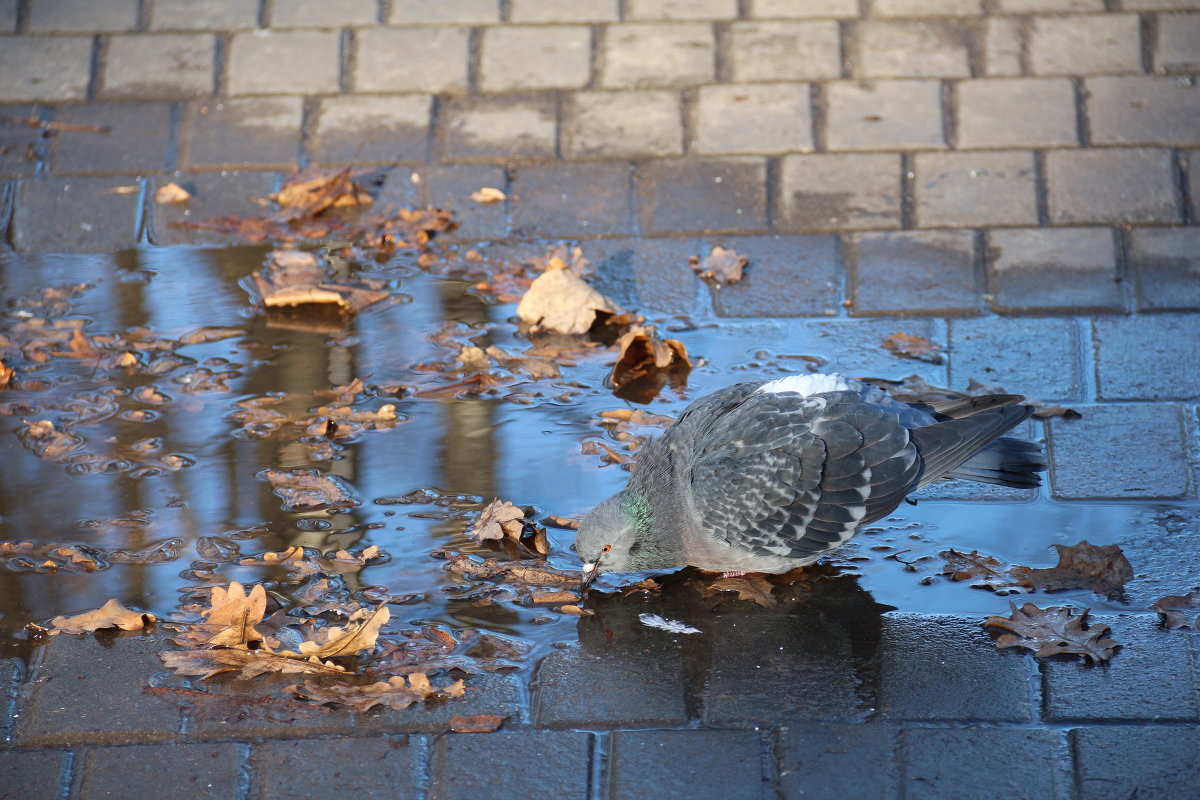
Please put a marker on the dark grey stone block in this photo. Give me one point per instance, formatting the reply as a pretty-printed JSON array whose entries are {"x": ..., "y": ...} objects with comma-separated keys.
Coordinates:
[
  {"x": 720, "y": 764},
  {"x": 32, "y": 774},
  {"x": 650, "y": 275},
  {"x": 138, "y": 138},
  {"x": 252, "y": 132},
  {"x": 258, "y": 709},
  {"x": 486, "y": 694},
  {"x": 980, "y": 762},
  {"x": 21, "y": 146},
  {"x": 87, "y": 691},
  {"x": 787, "y": 276},
  {"x": 1149, "y": 763},
  {"x": 452, "y": 186},
  {"x": 1148, "y": 357},
  {"x": 1163, "y": 545},
  {"x": 573, "y": 199},
  {"x": 1036, "y": 357},
  {"x": 163, "y": 771},
  {"x": 76, "y": 215},
  {"x": 702, "y": 195},
  {"x": 214, "y": 194},
  {"x": 946, "y": 668},
  {"x": 518, "y": 765},
  {"x": 1123, "y": 689},
  {"x": 1167, "y": 262},
  {"x": 837, "y": 759},
  {"x": 914, "y": 272},
  {"x": 385, "y": 768}
]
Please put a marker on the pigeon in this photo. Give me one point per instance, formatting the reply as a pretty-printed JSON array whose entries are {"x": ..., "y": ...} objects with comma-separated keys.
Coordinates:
[{"x": 767, "y": 476}]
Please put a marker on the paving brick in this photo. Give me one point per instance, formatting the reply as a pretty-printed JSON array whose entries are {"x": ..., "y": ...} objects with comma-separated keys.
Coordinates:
[
  {"x": 243, "y": 132},
  {"x": 462, "y": 12},
  {"x": 1128, "y": 185},
  {"x": 885, "y": 48},
  {"x": 948, "y": 668},
  {"x": 10, "y": 674},
  {"x": 499, "y": 127},
  {"x": 8, "y": 16},
  {"x": 1084, "y": 44},
  {"x": 573, "y": 199},
  {"x": 652, "y": 275},
  {"x": 899, "y": 114},
  {"x": 755, "y": 118},
  {"x": 852, "y": 346},
  {"x": 321, "y": 14},
  {"x": 486, "y": 694},
  {"x": 961, "y": 762},
  {"x": 44, "y": 67},
  {"x": 562, "y": 769},
  {"x": 214, "y": 194},
  {"x": 411, "y": 60},
  {"x": 1143, "y": 110},
  {"x": 629, "y": 686},
  {"x": 165, "y": 65},
  {"x": 1165, "y": 767},
  {"x": 1167, "y": 264},
  {"x": 648, "y": 123},
  {"x": 367, "y": 128},
  {"x": 37, "y": 773},
  {"x": 87, "y": 692},
  {"x": 722, "y": 764},
  {"x": 1092, "y": 457},
  {"x": 203, "y": 15},
  {"x": 21, "y": 146},
  {"x": 385, "y": 767},
  {"x": 926, "y": 8},
  {"x": 774, "y": 51},
  {"x": 564, "y": 10},
  {"x": 552, "y": 57},
  {"x": 800, "y": 9},
  {"x": 788, "y": 276},
  {"x": 914, "y": 272},
  {"x": 1016, "y": 112},
  {"x": 651, "y": 55},
  {"x": 81, "y": 16},
  {"x": 645, "y": 10},
  {"x": 207, "y": 770},
  {"x": 825, "y": 759},
  {"x": 1035, "y": 356},
  {"x": 1001, "y": 45},
  {"x": 1159, "y": 5},
  {"x": 1148, "y": 357},
  {"x": 1074, "y": 691},
  {"x": 1046, "y": 6},
  {"x": 964, "y": 189},
  {"x": 711, "y": 194},
  {"x": 137, "y": 140},
  {"x": 1193, "y": 179},
  {"x": 75, "y": 215},
  {"x": 1162, "y": 542},
  {"x": 274, "y": 62},
  {"x": 1178, "y": 48},
  {"x": 452, "y": 187},
  {"x": 237, "y": 709},
  {"x": 1081, "y": 264},
  {"x": 830, "y": 191}
]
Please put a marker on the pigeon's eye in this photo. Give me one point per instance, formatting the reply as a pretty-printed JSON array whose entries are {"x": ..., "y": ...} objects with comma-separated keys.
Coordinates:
[{"x": 606, "y": 548}]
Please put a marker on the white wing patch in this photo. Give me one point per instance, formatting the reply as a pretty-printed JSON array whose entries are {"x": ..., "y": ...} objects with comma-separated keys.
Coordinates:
[{"x": 806, "y": 385}]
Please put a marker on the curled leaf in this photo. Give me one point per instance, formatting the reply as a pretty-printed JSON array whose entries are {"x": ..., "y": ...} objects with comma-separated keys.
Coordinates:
[
  {"x": 110, "y": 615},
  {"x": 1053, "y": 631}
]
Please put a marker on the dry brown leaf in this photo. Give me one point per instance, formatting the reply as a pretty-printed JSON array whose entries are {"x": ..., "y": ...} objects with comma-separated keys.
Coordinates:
[
  {"x": 308, "y": 193},
  {"x": 110, "y": 615},
  {"x": 751, "y": 587},
  {"x": 984, "y": 572},
  {"x": 637, "y": 416},
  {"x": 550, "y": 597},
  {"x": 479, "y": 723},
  {"x": 488, "y": 195},
  {"x": 246, "y": 663},
  {"x": 645, "y": 363},
  {"x": 559, "y": 300},
  {"x": 914, "y": 347},
  {"x": 1179, "y": 611},
  {"x": 338, "y": 642},
  {"x": 555, "y": 521},
  {"x": 720, "y": 268},
  {"x": 233, "y": 614},
  {"x": 396, "y": 692},
  {"x": 172, "y": 193},
  {"x": 1053, "y": 631},
  {"x": 575, "y": 611},
  {"x": 499, "y": 519},
  {"x": 1103, "y": 569}
]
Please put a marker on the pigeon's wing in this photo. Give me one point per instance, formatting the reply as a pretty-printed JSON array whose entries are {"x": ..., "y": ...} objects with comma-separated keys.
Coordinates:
[
  {"x": 945, "y": 446},
  {"x": 793, "y": 476}
]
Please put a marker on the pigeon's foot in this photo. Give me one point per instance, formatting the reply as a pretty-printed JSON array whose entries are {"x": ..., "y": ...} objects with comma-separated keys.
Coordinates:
[{"x": 734, "y": 574}]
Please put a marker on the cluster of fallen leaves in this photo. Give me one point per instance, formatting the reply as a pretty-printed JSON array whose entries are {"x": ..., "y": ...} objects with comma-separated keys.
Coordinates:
[
  {"x": 1102, "y": 569},
  {"x": 628, "y": 429}
]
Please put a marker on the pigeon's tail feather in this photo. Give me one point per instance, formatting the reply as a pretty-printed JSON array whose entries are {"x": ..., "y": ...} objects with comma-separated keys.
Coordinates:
[
  {"x": 966, "y": 406},
  {"x": 971, "y": 449},
  {"x": 1005, "y": 462}
]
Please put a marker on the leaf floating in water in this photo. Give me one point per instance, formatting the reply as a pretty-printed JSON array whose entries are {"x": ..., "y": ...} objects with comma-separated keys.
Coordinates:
[
  {"x": 559, "y": 300},
  {"x": 295, "y": 281},
  {"x": 397, "y": 692},
  {"x": 669, "y": 625},
  {"x": 111, "y": 615},
  {"x": 309, "y": 490},
  {"x": 500, "y": 519},
  {"x": 1053, "y": 631},
  {"x": 983, "y": 571},
  {"x": 1103, "y": 569},
  {"x": 247, "y": 664},
  {"x": 645, "y": 363},
  {"x": 1179, "y": 611}
]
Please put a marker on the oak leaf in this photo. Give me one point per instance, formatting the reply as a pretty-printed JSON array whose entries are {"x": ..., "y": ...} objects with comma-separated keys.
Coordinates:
[
  {"x": 232, "y": 616},
  {"x": 1179, "y": 611},
  {"x": 338, "y": 642},
  {"x": 308, "y": 193},
  {"x": 110, "y": 615},
  {"x": 499, "y": 519},
  {"x": 397, "y": 692},
  {"x": 751, "y": 587},
  {"x": 1104, "y": 569},
  {"x": 983, "y": 571},
  {"x": 720, "y": 268},
  {"x": 246, "y": 663},
  {"x": 308, "y": 490},
  {"x": 1053, "y": 631}
]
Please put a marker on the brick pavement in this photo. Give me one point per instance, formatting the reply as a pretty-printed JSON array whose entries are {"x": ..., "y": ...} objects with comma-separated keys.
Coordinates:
[{"x": 1024, "y": 171}]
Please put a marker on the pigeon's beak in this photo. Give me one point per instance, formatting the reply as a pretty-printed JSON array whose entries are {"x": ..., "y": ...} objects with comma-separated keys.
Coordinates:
[{"x": 589, "y": 574}]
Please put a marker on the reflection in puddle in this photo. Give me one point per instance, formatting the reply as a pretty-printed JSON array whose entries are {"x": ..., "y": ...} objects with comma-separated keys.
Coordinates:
[{"x": 141, "y": 439}]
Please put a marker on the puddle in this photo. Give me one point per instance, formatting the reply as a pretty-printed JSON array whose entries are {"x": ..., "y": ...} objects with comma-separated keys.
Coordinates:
[{"x": 167, "y": 451}]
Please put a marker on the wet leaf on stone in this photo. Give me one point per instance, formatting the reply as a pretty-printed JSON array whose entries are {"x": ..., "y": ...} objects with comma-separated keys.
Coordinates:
[
  {"x": 499, "y": 519},
  {"x": 1179, "y": 611},
  {"x": 397, "y": 692},
  {"x": 529, "y": 573},
  {"x": 915, "y": 347},
  {"x": 478, "y": 723},
  {"x": 111, "y": 615},
  {"x": 720, "y": 267},
  {"x": 1103, "y": 569},
  {"x": 311, "y": 192},
  {"x": 334, "y": 642},
  {"x": 488, "y": 194},
  {"x": 983, "y": 571},
  {"x": 1053, "y": 631},
  {"x": 309, "y": 490},
  {"x": 752, "y": 587},
  {"x": 246, "y": 663},
  {"x": 559, "y": 300}
]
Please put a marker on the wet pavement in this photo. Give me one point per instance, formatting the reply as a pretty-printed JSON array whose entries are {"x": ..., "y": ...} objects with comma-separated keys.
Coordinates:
[{"x": 1015, "y": 181}]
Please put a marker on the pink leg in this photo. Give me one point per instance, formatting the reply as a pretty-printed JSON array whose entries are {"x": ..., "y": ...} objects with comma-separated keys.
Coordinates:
[{"x": 734, "y": 574}]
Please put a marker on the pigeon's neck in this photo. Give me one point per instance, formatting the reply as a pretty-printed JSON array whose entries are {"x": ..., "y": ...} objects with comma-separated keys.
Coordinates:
[{"x": 658, "y": 519}]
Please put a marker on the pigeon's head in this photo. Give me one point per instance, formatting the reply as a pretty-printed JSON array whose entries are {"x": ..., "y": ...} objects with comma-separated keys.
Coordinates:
[{"x": 612, "y": 538}]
